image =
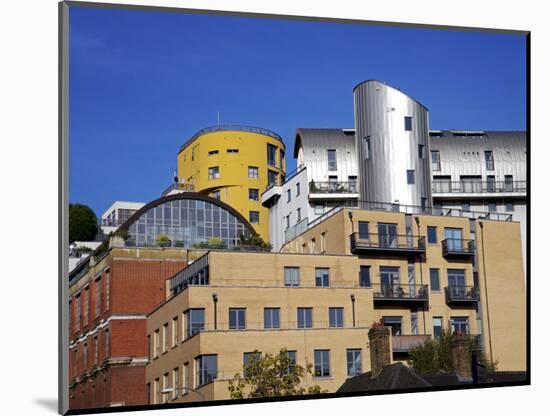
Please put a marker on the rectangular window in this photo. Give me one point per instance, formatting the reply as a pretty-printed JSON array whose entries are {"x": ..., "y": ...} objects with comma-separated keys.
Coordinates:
[
  {"x": 237, "y": 318},
  {"x": 271, "y": 155},
  {"x": 194, "y": 321},
  {"x": 156, "y": 391},
  {"x": 489, "y": 161},
  {"x": 323, "y": 242},
  {"x": 432, "y": 235},
  {"x": 254, "y": 217},
  {"x": 175, "y": 335},
  {"x": 414, "y": 322},
  {"x": 319, "y": 209},
  {"x": 213, "y": 172},
  {"x": 77, "y": 312},
  {"x": 313, "y": 246},
  {"x": 287, "y": 219},
  {"x": 298, "y": 215},
  {"x": 408, "y": 123},
  {"x": 213, "y": 152},
  {"x": 336, "y": 317},
  {"x": 459, "y": 324},
  {"x": 322, "y": 363},
  {"x": 331, "y": 156},
  {"x": 298, "y": 189},
  {"x": 175, "y": 382},
  {"x": 509, "y": 207},
  {"x": 321, "y": 277},
  {"x": 366, "y": 147},
  {"x": 96, "y": 350},
  {"x": 288, "y": 195},
  {"x": 292, "y": 276},
  {"x": 253, "y": 172},
  {"x": 465, "y": 206},
  {"x": 410, "y": 177},
  {"x": 353, "y": 358},
  {"x": 436, "y": 161},
  {"x": 233, "y": 151},
  {"x": 207, "y": 369},
  {"x": 281, "y": 159},
  {"x": 434, "y": 280},
  {"x": 98, "y": 297},
  {"x": 253, "y": 194},
  {"x": 86, "y": 306},
  {"x": 508, "y": 183},
  {"x": 272, "y": 318},
  {"x": 394, "y": 322},
  {"x": 107, "y": 338},
  {"x": 491, "y": 183},
  {"x": 437, "y": 327},
  {"x": 363, "y": 230},
  {"x": 107, "y": 290},
  {"x": 305, "y": 317},
  {"x": 271, "y": 178},
  {"x": 364, "y": 276},
  {"x": 164, "y": 338},
  {"x": 421, "y": 151},
  {"x": 470, "y": 183},
  {"x": 492, "y": 207}
]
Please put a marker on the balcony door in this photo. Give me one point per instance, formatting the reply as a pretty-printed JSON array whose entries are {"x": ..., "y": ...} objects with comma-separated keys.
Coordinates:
[
  {"x": 454, "y": 239},
  {"x": 470, "y": 184},
  {"x": 389, "y": 281},
  {"x": 457, "y": 283},
  {"x": 460, "y": 324},
  {"x": 387, "y": 235}
]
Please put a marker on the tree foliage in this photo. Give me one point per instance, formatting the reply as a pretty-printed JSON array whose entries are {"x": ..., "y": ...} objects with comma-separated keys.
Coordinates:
[
  {"x": 434, "y": 356},
  {"x": 82, "y": 223},
  {"x": 253, "y": 240},
  {"x": 272, "y": 375}
]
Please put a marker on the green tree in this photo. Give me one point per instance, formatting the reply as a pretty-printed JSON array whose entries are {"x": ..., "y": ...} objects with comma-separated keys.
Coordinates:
[
  {"x": 272, "y": 375},
  {"x": 434, "y": 356},
  {"x": 82, "y": 223}
]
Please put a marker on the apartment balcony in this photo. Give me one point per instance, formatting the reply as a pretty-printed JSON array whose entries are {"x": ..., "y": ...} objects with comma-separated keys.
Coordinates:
[
  {"x": 409, "y": 294},
  {"x": 387, "y": 244},
  {"x": 458, "y": 248},
  {"x": 480, "y": 189},
  {"x": 333, "y": 190},
  {"x": 404, "y": 343},
  {"x": 178, "y": 187},
  {"x": 461, "y": 295}
]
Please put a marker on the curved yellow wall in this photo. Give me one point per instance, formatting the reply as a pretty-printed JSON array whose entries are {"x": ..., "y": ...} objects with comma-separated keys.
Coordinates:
[{"x": 194, "y": 160}]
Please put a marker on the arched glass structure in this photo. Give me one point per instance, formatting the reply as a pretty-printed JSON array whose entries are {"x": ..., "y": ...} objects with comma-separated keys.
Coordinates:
[{"x": 186, "y": 220}]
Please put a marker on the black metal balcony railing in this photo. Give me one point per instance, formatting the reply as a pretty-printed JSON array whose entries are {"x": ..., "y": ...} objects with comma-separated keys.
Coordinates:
[
  {"x": 461, "y": 294},
  {"x": 457, "y": 247},
  {"x": 331, "y": 187},
  {"x": 107, "y": 222},
  {"x": 404, "y": 343},
  {"x": 189, "y": 187},
  {"x": 400, "y": 293},
  {"x": 397, "y": 243},
  {"x": 447, "y": 187}
]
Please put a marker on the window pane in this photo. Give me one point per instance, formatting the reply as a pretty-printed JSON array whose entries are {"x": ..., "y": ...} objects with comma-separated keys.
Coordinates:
[
  {"x": 364, "y": 276},
  {"x": 410, "y": 177},
  {"x": 331, "y": 154},
  {"x": 437, "y": 328},
  {"x": 237, "y": 318},
  {"x": 432, "y": 235},
  {"x": 271, "y": 318},
  {"x": 322, "y": 363},
  {"x": 321, "y": 277},
  {"x": 292, "y": 276},
  {"x": 353, "y": 362},
  {"x": 305, "y": 316},
  {"x": 336, "y": 317},
  {"x": 434, "y": 279},
  {"x": 408, "y": 123}
]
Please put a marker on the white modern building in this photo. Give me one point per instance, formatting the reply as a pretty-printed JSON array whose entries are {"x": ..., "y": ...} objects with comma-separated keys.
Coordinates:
[{"x": 117, "y": 214}]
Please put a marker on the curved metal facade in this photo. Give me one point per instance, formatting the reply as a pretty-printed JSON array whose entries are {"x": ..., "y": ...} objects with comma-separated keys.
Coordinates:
[{"x": 386, "y": 150}]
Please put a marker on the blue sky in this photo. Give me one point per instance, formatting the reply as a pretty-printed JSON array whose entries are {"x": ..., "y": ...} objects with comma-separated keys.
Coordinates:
[{"x": 142, "y": 83}]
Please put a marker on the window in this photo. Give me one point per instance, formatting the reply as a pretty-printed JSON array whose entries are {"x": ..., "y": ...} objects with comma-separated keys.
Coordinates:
[
  {"x": 509, "y": 207},
  {"x": 292, "y": 276},
  {"x": 492, "y": 207},
  {"x": 271, "y": 155},
  {"x": 164, "y": 338},
  {"x": 281, "y": 158},
  {"x": 237, "y": 318},
  {"x": 353, "y": 362},
  {"x": 77, "y": 312},
  {"x": 186, "y": 378},
  {"x": 175, "y": 335},
  {"x": 287, "y": 218},
  {"x": 465, "y": 206},
  {"x": 408, "y": 123},
  {"x": 254, "y": 217},
  {"x": 470, "y": 183},
  {"x": 164, "y": 386},
  {"x": 410, "y": 177},
  {"x": 421, "y": 151},
  {"x": 107, "y": 338},
  {"x": 207, "y": 369},
  {"x": 85, "y": 356},
  {"x": 195, "y": 321},
  {"x": 489, "y": 161},
  {"x": 233, "y": 151},
  {"x": 305, "y": 317},
  {"x": 322, "y": 363},
  {"x": 336, "y": 317},
  {"x": 107, "y": 290},
  {"x": 247, "y": 357},
  {"x": 394, "y": 322},
  {"x": 366, "y": 147},
  {"x": 175, "y": 382},
  {"x": 253, "y": 194},
  {"x": 213, "y": 152},
  {"x": 432, "y": 235},
  {"x": 442, "y": 183},
  {"x": 318, "y": 209},
  {"x": 364, "y": 276},
  {"x": 313, "y": 246},
  {"x": 363, "y": 230},
  {"x": 436, "y": 161},
  {"x": 213, "y": 172},
  {"x": 459, "y": 324},
  {"x": 437, "y": 327},
  {"x": 298, "y": 214},
  {"x": 491, "y": 183},
  {"x": 298, "y": 189},
  {"x": 272, "y": 318},
  {"x": 156, "y": 391},
  {"x": 508, "y": 183},
  {"x": 323, "y": 242},
  {"x": 253, "y": 172},
  {"x": 96, "y": 350},
  {"x": 322, "y": 277},
  {"x": 414, "y": 322},
  {"x": 288, "y": 195},
  {"x": 292, "y": 358},
  {"x": 97, "y": 297},
  {"x": 86, "y": 306},
  {"x": 434, "y": 280},
  {"x": 271, "y": 177},
  {"x": 331, "y": 156}
]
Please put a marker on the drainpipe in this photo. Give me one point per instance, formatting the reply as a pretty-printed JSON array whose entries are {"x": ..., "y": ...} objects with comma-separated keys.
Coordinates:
[
  {"x": 215, "y": 299},
  {"x": 352, "y": 296},
  {"x": 417, "y": 220}
]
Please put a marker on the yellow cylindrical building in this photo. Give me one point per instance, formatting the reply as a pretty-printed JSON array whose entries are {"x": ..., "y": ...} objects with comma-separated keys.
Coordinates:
[{"x": 235, "y": 164}]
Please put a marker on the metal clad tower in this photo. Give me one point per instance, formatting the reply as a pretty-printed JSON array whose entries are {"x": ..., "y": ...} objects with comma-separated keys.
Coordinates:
[{"x": 393, "y": 147}]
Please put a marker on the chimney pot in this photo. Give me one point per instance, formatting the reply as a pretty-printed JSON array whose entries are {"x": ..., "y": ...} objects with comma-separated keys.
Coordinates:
[{"x": 380, "y": 349}]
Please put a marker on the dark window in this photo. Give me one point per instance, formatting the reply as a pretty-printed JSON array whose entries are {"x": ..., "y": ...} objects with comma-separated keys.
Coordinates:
[
  {"x": 410, "y": 177},
  {"x": 492, "y": 207},
  {"x": 394, "y": 322},
  {"x": 195, "y": 321},
  {"x": 322, "y": 277},
  {"x": 213, "y": 172},
  {"x": 432, "y": 235},
  {"x": 253, "y": 172},
  {"x": 509, "y": 207},
  {"x": 363, "y": 230},
  {"x": 272, "y": 318},
  {"x": 254, "y": 217},
  {"x": 292, "y": 276},
  {"x": 408, "y": 123},
  {"x": 366, "y": 141},
  {"x": 353, "y": 358},
  {"x": 437, "y": 327},
  {"x": 489, "y": 161},
  {"x": 508, "y": 183},
  {"x": 298, "y": 215},
  {"x": 465, "y": 206},
  {"x": 331, "y": 154},
  {"x": 336, "y": 317},
  {"x": 491, "y": 183},
  {"x": 253, "y": 194},
  {"x": 212, "y": 152},
  {"x": 297, "y": 189},
  {"x": 233, "y": 151},
  {"x": 271, "y": 155},
  {"x": 305, "y": 317},
  {"x": 322, "y": 363},
  {"x": 421, "y": 151},
  {"x": 436, "y": 162},
  {"x": 364, "y": 276},
  {"x": 207, "y": 369},
  {"x": 460, "y": 324},
  {"x": 271, "y": 177},
  {"x": 288, "y": 195},
  {"x": 281, "y": 158},
  {"x": 434, "y": 279},
  {"x": 237, "y": 318},
  {"x": 287, "y": 218}
]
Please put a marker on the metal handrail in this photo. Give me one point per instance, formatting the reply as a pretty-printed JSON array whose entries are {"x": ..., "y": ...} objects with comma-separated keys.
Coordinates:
[
  {"x": 400, "y": 291},
  {"x": 406, "y": 342},
  {"x": 180, "y": 187},
  {"x": 472, "y": 186},
  {"x": 458, "y": 245},
  {"x": 333, "y": 187},
  {"x": 461, "y": 293},
  {"x": 390, "y": 241}
]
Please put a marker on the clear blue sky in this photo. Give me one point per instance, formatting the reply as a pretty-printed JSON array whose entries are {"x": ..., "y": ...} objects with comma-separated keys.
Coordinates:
[{"x": 142, "y": 83}]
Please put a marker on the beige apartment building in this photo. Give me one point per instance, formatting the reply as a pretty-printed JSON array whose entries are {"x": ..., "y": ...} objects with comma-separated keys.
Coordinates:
[{"x": 318, "y": 297}]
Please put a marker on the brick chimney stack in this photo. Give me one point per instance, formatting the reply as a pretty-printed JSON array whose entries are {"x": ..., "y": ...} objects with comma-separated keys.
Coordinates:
[
  {"x": 462, "y": 360},
  {"x": 380, "y": 349}
]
